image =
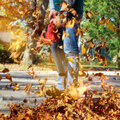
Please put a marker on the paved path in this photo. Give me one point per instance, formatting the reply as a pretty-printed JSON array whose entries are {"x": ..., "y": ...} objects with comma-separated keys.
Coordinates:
[{"x": 9, "y": 96}]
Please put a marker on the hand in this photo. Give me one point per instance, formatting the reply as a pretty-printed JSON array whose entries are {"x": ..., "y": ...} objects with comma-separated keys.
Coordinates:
[
  {"x": 56, "y": 21},
  {"x": 52, "y": 12}
]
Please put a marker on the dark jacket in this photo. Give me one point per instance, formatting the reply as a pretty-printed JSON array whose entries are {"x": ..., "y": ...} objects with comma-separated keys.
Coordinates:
[{"x": 76, "y": 4}]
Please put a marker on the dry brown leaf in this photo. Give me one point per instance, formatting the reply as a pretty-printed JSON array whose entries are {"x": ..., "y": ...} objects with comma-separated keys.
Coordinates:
[
  {"x": 0, "y": 77},
  {"x": 90, "y": 14},
  {"x": 5, "y": 70},
  {"x": 102, "y": 21},
  {"x": 95, "y": 91},
  {"x": 90, "y": 79},
  {"x": 28, "y": 88},
  {"x": 9, "y": 77}
]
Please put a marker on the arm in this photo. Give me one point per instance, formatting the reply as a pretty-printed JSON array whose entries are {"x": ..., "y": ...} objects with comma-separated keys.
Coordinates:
[{"x": 52, "y": 9}]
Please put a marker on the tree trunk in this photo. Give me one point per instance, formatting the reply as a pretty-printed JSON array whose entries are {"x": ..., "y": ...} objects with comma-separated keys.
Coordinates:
[{"x": 29, "y": 55}]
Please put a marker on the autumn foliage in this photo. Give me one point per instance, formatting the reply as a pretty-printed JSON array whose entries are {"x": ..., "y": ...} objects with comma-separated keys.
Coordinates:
[{"x": 78, "y": 102}]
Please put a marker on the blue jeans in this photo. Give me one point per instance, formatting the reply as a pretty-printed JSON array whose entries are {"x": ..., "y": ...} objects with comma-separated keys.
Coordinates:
[
  {"x": 60, "y": 61},
  {"x": 73, "y": 69},
  {"x": 71, "y": 50}
]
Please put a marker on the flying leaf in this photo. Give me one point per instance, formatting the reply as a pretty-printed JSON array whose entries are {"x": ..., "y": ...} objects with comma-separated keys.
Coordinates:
[
  {"x": 110, "y": 25},
  {"x": 64, "y": 5},
  {"x": 76, "y": 92},
  {"x": 90, "y": 14},
  {"x": 71, "y": 60},
  {"x": 95, "y": 91},
  {"x": 5, "y": 70},
  {"x": 79, "y": 31},
  {"x": 0, "y": 77},
  {"x": 65, "y": 34},
  {"x": 82, "y": 73},
  {"x": 9, "y": 77},
  {"x": 16, "y": 87},
  {"x": 45, "y": 80},
  {"x": 102, "y": 21},
  {"x": 86, "y": 29},
  {"x": 83, "y": 50},
  {"x": 40, "y": 82},
  {"x": 101, "y": 75},
  {"x": 28, "y": 88},
  {"x": 90, "y": 79},
  {"x": 70, "y": 23}
]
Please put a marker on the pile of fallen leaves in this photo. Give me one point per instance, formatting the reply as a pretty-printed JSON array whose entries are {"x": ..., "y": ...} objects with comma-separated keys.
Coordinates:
[
  {"x": 65, "y": 107},
  {"x": 75, "y": 103}
]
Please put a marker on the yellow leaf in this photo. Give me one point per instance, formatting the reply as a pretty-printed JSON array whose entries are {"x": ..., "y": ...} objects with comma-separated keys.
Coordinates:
[
  {"x": 110, "y": 25},
  {"x": 79, "y": 31},
  {"x": 70, "y": 23},
  {"x": 65, "y": 34},
  {"x": 83, "y": 50},
  {"x": 73, "y": 92},
  {"x": 71, "y": 60},
  {"x": 76, "y": 92},
  {"x": 64, "y": 5},
  {"x": 81, "y": 90},
  {"x": 90, "y": 14},
  {"x": 82, "y": 73},
  {"x": 16, "y": 87},
  {"x": 5, "y": 106},
  {"x": 40, "y": 81}
]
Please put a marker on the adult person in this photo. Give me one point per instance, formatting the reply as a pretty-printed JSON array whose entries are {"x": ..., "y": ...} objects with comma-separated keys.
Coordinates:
[
  {"x": 58, "y": 53},
  {"x": 70, "y": 43}
]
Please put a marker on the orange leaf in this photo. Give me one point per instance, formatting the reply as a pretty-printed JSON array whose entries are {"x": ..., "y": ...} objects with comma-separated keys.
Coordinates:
[
  {"x": 102, "y": 21},
  {"x": 70, "y": 23},
  {"x": 9, "y": 77},
  {"x": 95, "y": 91},
  {"x": 90, "y": 14},
  {"x": 84, "y": 50},
  {"x": 5, "y": 70},
  {"x": 16, "y": 87},
  {"x": 28, "y": 88},
  {"x": 0, "y": 77}
]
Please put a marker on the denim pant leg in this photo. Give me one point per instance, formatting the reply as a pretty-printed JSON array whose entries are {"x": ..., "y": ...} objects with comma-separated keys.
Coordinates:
[
  {"x": 72, "y": 54},
  {"x": 73, "y": 69},
  {"x": 59, "y": 59}
]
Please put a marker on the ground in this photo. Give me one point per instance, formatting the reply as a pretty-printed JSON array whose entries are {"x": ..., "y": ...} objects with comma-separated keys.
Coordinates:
[{"x": 8, "y": 96}]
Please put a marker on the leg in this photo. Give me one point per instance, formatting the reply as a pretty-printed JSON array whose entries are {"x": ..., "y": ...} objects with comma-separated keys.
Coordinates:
[
  {"x": 59, "y": 59},
  {"x": 73, "y": 69},
  {"x": 72, "y": 54}
]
